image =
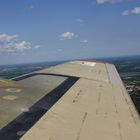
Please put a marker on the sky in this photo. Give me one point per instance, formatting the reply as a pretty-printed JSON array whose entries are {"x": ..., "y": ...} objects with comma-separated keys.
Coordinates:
[{"x": 53, "y": 30}]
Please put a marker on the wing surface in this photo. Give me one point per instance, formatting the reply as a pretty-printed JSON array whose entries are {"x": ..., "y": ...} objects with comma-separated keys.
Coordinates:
[{"x": 90, "y": 102}]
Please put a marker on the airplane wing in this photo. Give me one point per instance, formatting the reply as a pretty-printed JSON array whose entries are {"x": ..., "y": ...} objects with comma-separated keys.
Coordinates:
[{"x": 79, "y": 100}]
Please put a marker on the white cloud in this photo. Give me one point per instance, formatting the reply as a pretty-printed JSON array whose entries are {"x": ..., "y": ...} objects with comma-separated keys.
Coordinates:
[
  {"x": 29, "y": 8},
  {"x": 84, "y": 41},
  {"x": 12, "y": 44},
  {"x": 134, "y": 11},
  {"x": 79, "y": 20},
  {"x": 108, "y": 1},
  {"x": 67, "y": 35},
  {"x": 59, "y": 50},
  {"x": 36, "y": 46},
  {"x": 126, "y": 13}
]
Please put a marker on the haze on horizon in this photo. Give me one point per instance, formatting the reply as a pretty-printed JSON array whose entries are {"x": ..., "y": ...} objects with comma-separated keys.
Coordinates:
[{"x": 50, "y": 30}]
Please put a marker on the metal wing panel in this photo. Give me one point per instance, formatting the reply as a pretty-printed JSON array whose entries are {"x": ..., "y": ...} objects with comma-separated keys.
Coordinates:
[
  {"x": 97, "y": 72},
  {"x": 96, "y": 107}
]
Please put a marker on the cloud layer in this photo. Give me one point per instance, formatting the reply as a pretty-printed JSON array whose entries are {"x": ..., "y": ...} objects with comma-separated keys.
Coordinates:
[
  {"x": 12, "y": 44},
  {"x": 79, "y": 20},
  {"x": 135, "y": 11},
  {"x": 108, "y": 1},
  {"x": 67, "y": 35},
  {"x": 84, "y": 41},
  {"x": 29, "y": 8}
]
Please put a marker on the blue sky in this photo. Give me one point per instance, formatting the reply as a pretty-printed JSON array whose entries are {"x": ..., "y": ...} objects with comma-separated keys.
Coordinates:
[{"x": 49, "y": 30}]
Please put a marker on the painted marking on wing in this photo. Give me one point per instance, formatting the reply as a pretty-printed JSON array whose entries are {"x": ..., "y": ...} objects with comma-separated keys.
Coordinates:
[
  {"x": 91, "y": 64},
  {"x": 10, "y": 97},
  {"x": 15, "y": 90}
]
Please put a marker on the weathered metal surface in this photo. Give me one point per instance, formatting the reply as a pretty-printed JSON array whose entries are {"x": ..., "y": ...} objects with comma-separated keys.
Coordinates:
[{"x": 96, "y": 107}]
